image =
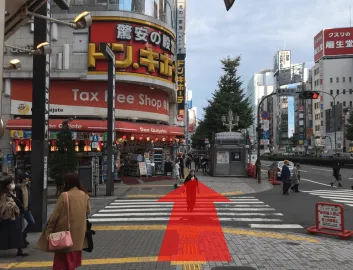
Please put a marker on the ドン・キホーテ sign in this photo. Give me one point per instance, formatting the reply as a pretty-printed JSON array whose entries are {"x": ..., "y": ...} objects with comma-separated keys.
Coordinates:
[
  {"x": 140, "y": 47},
  {"x": 87, "y": 98}
]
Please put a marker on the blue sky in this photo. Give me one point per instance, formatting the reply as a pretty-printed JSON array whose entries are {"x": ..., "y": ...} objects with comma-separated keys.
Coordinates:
[{"x": 254, "y": 29}]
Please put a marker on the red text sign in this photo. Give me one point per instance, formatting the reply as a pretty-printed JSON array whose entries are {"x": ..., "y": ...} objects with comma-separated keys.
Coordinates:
[{"x": 139, "y": 48}]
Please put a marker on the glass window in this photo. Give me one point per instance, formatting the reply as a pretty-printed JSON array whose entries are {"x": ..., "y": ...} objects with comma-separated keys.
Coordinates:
[
  {"x": 331, "y": 103},
  {"x": 125, "y": 5},
  {"x": 331, "y": 80},
  {"x": 235, "y": 156},
  {"x": 344, "y": 104},
  {"x": 350, "y": 79},
  {"x": 337, "y": 91},
  {"x": 344, "y": 91},
  {"x": 343, "y": 79},
  {"x": 337, "y": 80},
  {"x": 331, "y": 92},
  {"x": 350, "y": 103},
  {"x": 168, "y": 14}
]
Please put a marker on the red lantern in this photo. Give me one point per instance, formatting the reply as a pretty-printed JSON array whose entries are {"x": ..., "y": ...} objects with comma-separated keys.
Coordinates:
[
  {"x": 124, "y": 137},
  {"x": 140, "y": 138},
  {"x": 156, "y": 139}
]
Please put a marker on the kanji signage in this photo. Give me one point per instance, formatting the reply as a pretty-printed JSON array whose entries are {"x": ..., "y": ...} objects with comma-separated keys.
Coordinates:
[
  {"x": 333, "y": 42},
  {"x": 140, "y": 47},
  {"x": 181, "y": 18},
  {"x": 181, "y": 83}
]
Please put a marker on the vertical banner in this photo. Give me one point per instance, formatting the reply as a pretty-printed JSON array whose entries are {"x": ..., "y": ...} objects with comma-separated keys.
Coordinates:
[{"x": 181, "y": 55}]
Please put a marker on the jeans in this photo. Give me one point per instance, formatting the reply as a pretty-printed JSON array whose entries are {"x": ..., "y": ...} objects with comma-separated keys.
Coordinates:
[{"x": 27, "y": 215}]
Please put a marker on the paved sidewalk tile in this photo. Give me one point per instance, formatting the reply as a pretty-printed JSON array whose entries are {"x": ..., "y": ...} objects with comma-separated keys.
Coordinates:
[{"x": 139, "y": 249}]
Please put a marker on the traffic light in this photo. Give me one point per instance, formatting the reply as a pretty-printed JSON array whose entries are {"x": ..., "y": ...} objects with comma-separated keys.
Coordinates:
[{"x": 309, "y": 95}]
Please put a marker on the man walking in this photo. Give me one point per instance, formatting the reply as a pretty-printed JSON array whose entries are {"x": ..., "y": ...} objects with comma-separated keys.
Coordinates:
[
  {"x": 285, "y": 176},
  {"x": 24, "y": 195}
]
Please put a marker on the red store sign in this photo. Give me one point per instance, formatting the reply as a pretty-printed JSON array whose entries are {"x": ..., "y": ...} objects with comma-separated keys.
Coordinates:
[
  {"x": 333, "y": 42},
  {"x": 89, "y": 98},
  {"x": 140, "y": 47}
]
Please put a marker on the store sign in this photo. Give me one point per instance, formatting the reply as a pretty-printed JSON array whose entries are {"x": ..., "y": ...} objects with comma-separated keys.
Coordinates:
[
  {"x": 87, "y": 98},
  {"x": 139, "y": 48},
  {"x": 181, "y": 18},
  {"x": 19, "y": 50},
  {"x": 329, "y": 216},
  {"x": 181, "y": 83},
  {"x": 333, "y": 42}
]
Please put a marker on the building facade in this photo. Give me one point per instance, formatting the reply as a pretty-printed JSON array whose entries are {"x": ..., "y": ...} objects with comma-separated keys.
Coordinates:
[
  {"x": 260, "y": 85},
  {"x": 142, "y": 34}
]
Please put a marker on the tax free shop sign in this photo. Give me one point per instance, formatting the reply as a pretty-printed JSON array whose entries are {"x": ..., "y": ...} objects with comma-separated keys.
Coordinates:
[{"x": 89, "y": 98}]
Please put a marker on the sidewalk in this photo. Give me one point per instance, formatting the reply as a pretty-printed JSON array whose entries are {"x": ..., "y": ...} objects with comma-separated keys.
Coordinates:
[{"x": 137, "y": 247}]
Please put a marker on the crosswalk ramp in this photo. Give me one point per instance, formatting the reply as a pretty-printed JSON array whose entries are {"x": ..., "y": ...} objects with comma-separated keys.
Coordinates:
[
  {"x": 239, "y": 212},
  {"x": 344, "y": 196}
]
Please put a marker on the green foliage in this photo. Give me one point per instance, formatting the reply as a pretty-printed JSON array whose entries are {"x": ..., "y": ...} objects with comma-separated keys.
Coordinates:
[
  {"x": 64, "y": 159},
  {"x": 349, "y": 127},
  {"x": 228, "y": 96}
]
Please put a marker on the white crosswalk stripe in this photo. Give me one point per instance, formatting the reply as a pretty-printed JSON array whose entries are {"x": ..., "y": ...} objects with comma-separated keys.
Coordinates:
[
  {"x": 344, "y": 196},
  {"x": 240, "y": 211}
]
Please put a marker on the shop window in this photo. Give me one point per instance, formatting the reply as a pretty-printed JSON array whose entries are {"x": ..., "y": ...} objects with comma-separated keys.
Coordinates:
[{"x": 235, "y": 156}]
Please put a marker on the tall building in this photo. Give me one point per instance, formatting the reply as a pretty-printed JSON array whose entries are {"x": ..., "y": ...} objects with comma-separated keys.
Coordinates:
[
  {"x": 146, "y": 96},
  {"x": 332, "y": 75},
  {"x": 260, "y": 85}
]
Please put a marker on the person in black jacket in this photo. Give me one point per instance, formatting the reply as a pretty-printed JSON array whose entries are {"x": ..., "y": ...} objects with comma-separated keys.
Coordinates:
[
  {"x": 23, "y": 193},
  {"x": 336, "y": 174},
  {"x": 191, "y": 187},
  {"x": 285, "y": 177}
]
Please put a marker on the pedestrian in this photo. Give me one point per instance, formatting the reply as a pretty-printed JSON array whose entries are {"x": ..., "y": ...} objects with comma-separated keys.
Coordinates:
[
  {"x": 181, "y": 164},
  {"x": 177, "y": 173},
  {"x": 191, "y": 187},
  {"x": 285, "y": 177},
  {"x": 197, "y": 162},
  {"x": 336, "y": 174},
  {"x": 258, "y": 170},
  {"x": 79, "y": 208},
  {"x": 10, "y": 218},
  {"x": 296, "y": 179},
  {"x": 23, "y": 193}
]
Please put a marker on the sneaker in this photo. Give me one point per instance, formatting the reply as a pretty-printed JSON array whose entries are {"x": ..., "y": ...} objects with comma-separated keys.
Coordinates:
[{"x": 22, "y": 254}]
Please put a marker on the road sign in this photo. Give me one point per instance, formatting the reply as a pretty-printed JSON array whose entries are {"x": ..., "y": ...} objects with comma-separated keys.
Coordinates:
[
  {"x": 330, "y": 220},
  {"x": 264, "y": 115},
  {"x": 95, "y": 138},
  {"x": 266, "y": 135}
]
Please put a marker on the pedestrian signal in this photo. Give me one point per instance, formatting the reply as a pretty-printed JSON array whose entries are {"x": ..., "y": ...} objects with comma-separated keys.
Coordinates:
[{"x": 309, "y": 95}]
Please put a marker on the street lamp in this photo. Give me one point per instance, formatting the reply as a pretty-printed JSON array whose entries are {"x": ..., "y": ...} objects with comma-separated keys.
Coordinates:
[
  {"x": 233, "y": 121},
  {"x": 13, "y": 64},
  {"x": 82, "y": 21},
  {"x": 42, "y": 49}
]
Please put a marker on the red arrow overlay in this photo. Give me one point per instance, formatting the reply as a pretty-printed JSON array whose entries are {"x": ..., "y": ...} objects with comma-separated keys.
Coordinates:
[{"x": 194, "y": 232}]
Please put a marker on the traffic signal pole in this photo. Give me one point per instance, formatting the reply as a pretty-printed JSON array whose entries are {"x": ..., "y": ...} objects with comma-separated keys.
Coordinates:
[{"x": 258, "y": 123}]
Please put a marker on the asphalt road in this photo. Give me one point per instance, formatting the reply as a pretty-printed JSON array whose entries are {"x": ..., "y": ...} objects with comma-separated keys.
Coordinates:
[{"x": 299, "y": 208}]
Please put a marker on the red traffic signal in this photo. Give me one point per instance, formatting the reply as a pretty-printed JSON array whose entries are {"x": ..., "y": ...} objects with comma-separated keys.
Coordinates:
[{"x": 309, "y": 95}]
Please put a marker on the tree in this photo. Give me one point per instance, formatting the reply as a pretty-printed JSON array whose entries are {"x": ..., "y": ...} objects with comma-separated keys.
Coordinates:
[
  {"x": 228, "y": 96},
  {"x": 349, "y": 127},
  {"x": 64, "y": 159}
]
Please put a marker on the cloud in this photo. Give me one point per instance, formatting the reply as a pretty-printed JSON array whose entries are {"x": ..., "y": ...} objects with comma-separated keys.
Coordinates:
[{"x": 255, "y": 29}]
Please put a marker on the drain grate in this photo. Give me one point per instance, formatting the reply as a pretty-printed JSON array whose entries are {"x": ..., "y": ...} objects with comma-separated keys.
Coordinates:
[
  {"x": 233, "y": 268},
  {"x": 148, "y": 188},
  {"x": 292, "y": 243}
]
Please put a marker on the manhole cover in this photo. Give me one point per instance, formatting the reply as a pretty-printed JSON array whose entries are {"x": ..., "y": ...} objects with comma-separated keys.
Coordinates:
[
  {"x": 292, "y": 243},
  {"x": 233, "y": 268},
  {"x": 149, "y": 188}
]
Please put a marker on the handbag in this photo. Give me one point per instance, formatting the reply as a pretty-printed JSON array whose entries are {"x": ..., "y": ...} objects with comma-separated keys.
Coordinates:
[
  {"x": 89, "y": 236},
  {"x": 61, "y": 240}
]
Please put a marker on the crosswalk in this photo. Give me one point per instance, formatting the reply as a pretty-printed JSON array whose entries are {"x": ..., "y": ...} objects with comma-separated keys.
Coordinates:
[
  {"x": 239, "y": 212},
  {"x": 344, "y": 196}
]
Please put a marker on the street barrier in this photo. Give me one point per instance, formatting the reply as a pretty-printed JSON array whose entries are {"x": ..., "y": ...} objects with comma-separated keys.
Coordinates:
[
  {"x": 250, "y": 170},
  {"x": 330, "y": 220},
  {"x": 273, "y": 178}
]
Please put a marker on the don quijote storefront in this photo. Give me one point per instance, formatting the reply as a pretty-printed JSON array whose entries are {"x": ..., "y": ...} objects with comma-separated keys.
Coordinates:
[{"x": 145, "y": 101}]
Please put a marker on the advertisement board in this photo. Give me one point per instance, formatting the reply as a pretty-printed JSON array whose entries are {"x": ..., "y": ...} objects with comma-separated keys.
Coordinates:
[
  {"x": 319, "y": 46},
  {"x": 89, "y": 98},
  {"x": 141, "y": 47},
  {"x": 284, "y": 59},
  {"x": 333, "y": 42},
  {"x": 181, "y": 25},
  {"x": 181, "y": 84}
]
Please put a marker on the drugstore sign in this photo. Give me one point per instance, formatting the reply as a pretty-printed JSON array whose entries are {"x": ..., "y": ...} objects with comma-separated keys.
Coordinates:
[{"x": 140, "y": 47}]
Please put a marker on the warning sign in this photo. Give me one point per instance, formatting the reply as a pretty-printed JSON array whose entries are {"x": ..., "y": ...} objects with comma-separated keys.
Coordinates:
[{"x": 330, "y": 217}]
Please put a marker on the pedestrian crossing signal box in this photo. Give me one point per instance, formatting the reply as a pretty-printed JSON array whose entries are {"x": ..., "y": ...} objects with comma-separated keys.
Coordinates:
[{"x": 309, "y": 95}]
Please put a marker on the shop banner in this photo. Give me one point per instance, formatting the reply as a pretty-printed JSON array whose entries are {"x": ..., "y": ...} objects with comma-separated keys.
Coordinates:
[
  {"x": 181, "y": 84},
  {"x": 140, "y": 47},
  {"x": 85, "y": 98}
]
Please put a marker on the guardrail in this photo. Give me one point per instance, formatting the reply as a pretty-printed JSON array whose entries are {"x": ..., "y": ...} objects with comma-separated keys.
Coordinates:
[{"x": 312, "y": 160}]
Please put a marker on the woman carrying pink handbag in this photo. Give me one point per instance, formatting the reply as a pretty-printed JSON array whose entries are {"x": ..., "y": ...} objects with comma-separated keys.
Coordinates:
[{"x": 66, "y": 228}]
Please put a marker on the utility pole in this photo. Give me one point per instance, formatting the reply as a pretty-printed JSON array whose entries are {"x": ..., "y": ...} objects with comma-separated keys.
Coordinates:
[
  {"x": 110, "y": 56},
  {"x": 40, "y": 120}
]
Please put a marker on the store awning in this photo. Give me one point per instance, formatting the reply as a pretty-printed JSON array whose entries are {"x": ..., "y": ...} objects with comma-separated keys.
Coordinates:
[{"x": 100, "y": 125}]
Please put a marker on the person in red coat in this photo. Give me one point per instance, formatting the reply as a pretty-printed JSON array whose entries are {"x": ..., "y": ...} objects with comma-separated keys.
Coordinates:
[{"x": 191, "y": 184}]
